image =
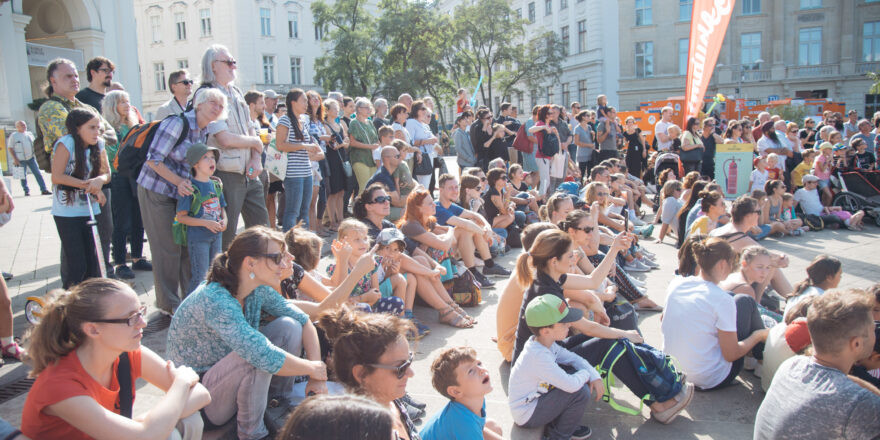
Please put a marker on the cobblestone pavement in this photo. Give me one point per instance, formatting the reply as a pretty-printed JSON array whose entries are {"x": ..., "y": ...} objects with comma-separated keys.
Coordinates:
[{"x": 29, "y": 248}]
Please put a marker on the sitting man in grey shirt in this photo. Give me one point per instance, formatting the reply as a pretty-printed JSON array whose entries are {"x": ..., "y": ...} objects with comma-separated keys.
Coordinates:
[{"x": 812, "y": 397}]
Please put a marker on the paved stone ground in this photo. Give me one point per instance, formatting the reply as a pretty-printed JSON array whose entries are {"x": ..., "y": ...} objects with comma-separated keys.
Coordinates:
[{"x": 29, "y": 248}]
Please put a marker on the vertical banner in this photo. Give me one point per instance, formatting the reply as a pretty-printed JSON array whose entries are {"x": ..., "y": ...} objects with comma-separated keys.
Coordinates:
[
  {"x": 733, "y": 168},
  {"x": 709, "y": 19}
]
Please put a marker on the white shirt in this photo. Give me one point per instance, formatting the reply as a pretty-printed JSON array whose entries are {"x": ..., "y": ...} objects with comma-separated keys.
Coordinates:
[
  {"x": 776, "y": 351},
  {"x": 662, "y": 127},
  {"x": 696, "y": 310},
  {"x": 536, "y": 368},
  {"x": 809, "y": 201},
  {"x": 758, "y": 179},
  {"x": 419, "y": 131},
  {"x": 22, "y": 144}
]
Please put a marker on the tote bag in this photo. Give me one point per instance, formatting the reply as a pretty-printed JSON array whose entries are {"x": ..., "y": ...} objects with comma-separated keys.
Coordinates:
[{"x": 276, "y": 161}]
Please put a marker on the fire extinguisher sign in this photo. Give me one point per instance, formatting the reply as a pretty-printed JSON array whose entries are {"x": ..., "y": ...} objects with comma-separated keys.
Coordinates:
[{"x": 733, "y": 167}]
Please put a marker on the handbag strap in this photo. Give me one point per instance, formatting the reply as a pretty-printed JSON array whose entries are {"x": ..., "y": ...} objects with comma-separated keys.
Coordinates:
[{"x": 123, "y": 375}]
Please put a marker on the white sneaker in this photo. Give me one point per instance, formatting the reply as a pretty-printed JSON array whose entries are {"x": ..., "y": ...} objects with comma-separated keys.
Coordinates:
[
  {"x": 750, "y": 363},
  {"x": 759, "y": 370},
  {"x": 635, "y": 266},
  {"x": 635, "y": 220},
  {"x": 647, "y": 253},
  {"x": 650, "y": 263}
]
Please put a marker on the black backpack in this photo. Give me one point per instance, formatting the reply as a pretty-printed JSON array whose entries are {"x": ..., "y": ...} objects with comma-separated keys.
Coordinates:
[
  {"x": 549, "y": 144},
  {"x": 134, "y": 148}
]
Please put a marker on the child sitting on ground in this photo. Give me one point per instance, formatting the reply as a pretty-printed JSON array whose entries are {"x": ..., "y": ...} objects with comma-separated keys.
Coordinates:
[
  {"x": 833, "y": 216},
  {"x": 540, "y": 391},
  {"x": 203, "y": 213},
  {"x": 669, "y": 209},
  {"x": 459, "y": 376},
  {"x": 376, "y": 292},
  {"x": 784, "y": 340},
  {"x": 390, "y": 245},
  {"x": 788, "y": 216},
  {"x": 386, "y": 136}
]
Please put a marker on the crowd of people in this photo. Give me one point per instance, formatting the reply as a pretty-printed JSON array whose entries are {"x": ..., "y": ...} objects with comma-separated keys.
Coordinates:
[{"x": 251, "y": 312}]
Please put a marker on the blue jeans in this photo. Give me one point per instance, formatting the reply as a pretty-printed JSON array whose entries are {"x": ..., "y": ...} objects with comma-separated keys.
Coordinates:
[
  {"x": 201, "y": 253},
  {"x": 297, "y": 197},
  {"x": 32, "y": 164}
]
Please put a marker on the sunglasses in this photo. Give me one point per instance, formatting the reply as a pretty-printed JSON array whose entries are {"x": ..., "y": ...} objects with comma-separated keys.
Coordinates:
[
  {"x": 277, "y": 257},
  {"x": 586, "y": 229},
  {"x": 382, "y": 199},
  {"x": 400, "y": 369},
  {"x": 131, "y": 321},
  {"x": 185, "y": 82},
  {"x": 229, "y": 63}
]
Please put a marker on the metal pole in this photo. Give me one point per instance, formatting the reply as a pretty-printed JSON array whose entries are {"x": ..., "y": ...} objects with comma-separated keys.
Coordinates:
[{"x": 99, "y": 250}]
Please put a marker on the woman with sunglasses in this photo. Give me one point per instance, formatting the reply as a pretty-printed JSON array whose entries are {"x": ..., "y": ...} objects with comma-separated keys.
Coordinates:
[
  {"x": 372, "y": 358},
  {"x": 217, "y": 330},
  {"x": 87, "y": 342},
  {"x": 734, "y": 133}
]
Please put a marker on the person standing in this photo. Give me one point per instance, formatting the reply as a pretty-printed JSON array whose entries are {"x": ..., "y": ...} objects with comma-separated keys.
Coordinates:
[
  {"x": 691, "y": 146},
  {"x": 607, "y": 134},
  {"x": 635, "y": 147},
  {"x": 710, "y": 139},
  {"x": 181, "y": 87},
  {"x": 271, "y": 106},
  {"x": 240, "y": 148},
  {"x": 380, "y": 109},
  {"x": 294, "y": 139},
  {"x": 99, "y": 73},
  {"x": 661, "y": 129},
  {"x": 21, "y": 146},
  {"x": 364, "y": 139}
]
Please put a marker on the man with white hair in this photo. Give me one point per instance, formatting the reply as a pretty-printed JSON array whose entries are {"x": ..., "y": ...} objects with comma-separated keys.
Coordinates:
[
  {"x": 405, "y": 99},
  {"x": 757, "y": 132},
  {"x": 271, "y": 103},
  {"x": 385, "y": 176},
  {"x": 240, "y": 164},
  {"x": 380, "y": 109}
]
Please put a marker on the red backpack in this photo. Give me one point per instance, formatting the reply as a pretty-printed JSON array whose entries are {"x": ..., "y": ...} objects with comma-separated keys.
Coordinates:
[{"x": 521, "y": 142}]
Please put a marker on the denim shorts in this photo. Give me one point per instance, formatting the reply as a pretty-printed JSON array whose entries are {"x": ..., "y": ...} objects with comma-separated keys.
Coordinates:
[{"x": 765, "y": 231}]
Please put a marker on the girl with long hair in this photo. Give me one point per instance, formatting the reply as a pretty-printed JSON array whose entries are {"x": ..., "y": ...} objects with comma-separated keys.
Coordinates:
[
  {"x": 712, "y": 206},
  {"x": 691, "y": 146},
  {"x": 694, "y": 195},
  {"x": 315, "y": 126},
  {"x": 823, "y": 274},
  {"x": 86, "y": 344},
  {"x": 295, "y": 140},
  {"x": 79, "y": 170},
  {"x": 754, "y": 274},
  {"x": 337, "y": 157}
]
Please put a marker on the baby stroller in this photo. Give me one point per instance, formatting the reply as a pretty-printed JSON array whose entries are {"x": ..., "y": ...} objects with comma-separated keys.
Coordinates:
[
  {"x": 668, "y": 161},
  {"x": 856, "y": 189}
]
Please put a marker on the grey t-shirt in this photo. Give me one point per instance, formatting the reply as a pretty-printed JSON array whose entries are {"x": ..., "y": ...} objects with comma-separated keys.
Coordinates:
[
  {"x": 610, "y": 142},
  {"x": 810, "y": 401},
  {"x": 586, "y": 136}
]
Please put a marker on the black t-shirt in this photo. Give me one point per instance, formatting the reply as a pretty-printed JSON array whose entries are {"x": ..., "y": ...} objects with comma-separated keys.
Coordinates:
[
  {"x": 513, "y": 126},
  {"x": 633, "y": 143},
  {"x": 373, "y": 230},
  {"x": 522, "y": 187},
  {"x": 542, "y": 285},
  {"x": 478, "y": 138},
  {"x": 709, "y": 145},
  {"x": 91, "y": 98},
  {"x": 864, "y": 160},
  {"x": 808, "y": 138},
  {"x": 379, "y": 122},
  {"x": 488, "y": 206}
]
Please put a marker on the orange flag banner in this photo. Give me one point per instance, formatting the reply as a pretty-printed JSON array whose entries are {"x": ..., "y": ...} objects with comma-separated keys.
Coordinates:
[{"x": 709, "y": 20}]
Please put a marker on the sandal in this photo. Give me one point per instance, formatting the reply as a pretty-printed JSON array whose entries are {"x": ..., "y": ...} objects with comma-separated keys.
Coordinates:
[
  {"x": 451, "y": 317},
  {"x": 12, "y": 351},
  {"x": 461, "y": 312}
]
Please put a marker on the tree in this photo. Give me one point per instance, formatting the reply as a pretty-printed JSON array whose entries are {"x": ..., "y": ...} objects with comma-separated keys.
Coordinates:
[
  {"x": 789, "y": 112},
  {"x": 353, "y": 62},
  {"x": 875, "y": 88}
]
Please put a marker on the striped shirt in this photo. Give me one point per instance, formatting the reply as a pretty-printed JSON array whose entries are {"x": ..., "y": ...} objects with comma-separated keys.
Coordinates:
[
  {"x": 298, "y": 164},
  {"x": 162, "y": 150}
]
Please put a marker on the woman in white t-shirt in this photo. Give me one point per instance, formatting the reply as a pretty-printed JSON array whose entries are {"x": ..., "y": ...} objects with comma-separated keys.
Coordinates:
[{"x": 706, "y": 329}]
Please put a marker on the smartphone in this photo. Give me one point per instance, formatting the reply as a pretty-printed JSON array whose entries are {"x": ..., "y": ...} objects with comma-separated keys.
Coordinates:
[{"x": 625, "y": 215}]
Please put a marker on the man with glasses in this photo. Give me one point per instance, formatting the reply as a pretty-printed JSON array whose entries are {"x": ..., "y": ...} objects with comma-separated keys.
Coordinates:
[
  {"x": 181, "y": 87},
  {"x": 240, "y": 148},
  {"x": 509, "y": 121},
  {"x": 99, "y": 73},
  {"x": 385, "y": 175}
]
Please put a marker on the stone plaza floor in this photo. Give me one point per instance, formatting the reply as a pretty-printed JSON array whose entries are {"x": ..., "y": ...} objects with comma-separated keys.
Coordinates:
[{"x": 29, "y": 248}]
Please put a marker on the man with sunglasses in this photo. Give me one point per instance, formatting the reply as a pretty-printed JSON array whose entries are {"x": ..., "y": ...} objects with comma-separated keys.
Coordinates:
[
  {"x": 385, "y": 175},
  {"x": 181, "y": 87},
  {"x": 99, "y": 73}
]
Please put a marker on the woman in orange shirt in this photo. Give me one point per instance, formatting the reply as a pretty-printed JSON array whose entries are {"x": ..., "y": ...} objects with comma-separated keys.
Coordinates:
[{"x": 75, "y": 357}]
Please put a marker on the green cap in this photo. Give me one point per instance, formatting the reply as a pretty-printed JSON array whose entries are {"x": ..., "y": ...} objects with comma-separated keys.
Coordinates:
[
  {"x": 196, "y": 151},
  {"x": 548, "y": 309}
]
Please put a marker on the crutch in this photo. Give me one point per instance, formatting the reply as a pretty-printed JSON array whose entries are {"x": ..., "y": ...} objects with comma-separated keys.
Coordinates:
[{"x": 97, "y": 237}]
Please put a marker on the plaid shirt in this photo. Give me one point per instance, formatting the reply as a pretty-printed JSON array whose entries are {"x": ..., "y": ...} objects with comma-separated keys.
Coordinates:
[{"x": 162, "y": 150}]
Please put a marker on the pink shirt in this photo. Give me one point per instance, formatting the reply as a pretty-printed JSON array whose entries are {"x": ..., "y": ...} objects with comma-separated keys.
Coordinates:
[{"x": 818, "y": 164}]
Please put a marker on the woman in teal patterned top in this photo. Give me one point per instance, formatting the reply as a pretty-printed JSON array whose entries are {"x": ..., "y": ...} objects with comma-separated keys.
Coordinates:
[{"x": 216, "y": 330}]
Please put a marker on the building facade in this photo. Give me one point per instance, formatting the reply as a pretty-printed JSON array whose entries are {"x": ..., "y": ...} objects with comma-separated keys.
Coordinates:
[
  {"x": 34, "y": 32},
  {"x": 275, "y": 42},
  {"x": 772, "y": 50}
]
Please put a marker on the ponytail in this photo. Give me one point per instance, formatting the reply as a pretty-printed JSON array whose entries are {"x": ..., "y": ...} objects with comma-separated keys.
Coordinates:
[
  {"x": 524, "y": 270},
  {"x": 253, "y": 242},
  {"x": 711, "y": 251},
  {"x": 542, "y": 213},
  {"x": 549, "y": 244},
  {"x": 820, "y": 270}
]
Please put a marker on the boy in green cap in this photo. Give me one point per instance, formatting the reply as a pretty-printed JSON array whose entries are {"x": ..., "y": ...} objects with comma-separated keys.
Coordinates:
[{"x": 540, "y": 391}]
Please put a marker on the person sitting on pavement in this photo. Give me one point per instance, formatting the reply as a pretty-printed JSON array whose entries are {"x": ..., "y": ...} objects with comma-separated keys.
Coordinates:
[
  {"x": 217, "y": 331},
  {"x": 813, "y": 396},
  {"x": 752, "y": 279},
  {"x": 809, "y": 201},
  {"x": 706, "y": 329},
  {"x": 823, "y": 273},
  {"x": 86, "y": 354},
  {"x": 338, "y": 417}
]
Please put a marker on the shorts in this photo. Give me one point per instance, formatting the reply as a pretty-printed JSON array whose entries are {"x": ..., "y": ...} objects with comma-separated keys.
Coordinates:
[
  {"x": 276, "y": 187},
  {"x": 843, "y": 215},
  {"x": 765, "y": 231},
  {"x": 824, "y": 183}
]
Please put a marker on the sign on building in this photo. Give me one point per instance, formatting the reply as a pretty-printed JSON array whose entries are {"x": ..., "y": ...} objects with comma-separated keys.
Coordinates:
[{"x": 40, "y": 55}]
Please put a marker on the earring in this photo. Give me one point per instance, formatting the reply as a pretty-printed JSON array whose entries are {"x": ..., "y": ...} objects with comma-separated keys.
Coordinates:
[{"x": 252, "y": 275}]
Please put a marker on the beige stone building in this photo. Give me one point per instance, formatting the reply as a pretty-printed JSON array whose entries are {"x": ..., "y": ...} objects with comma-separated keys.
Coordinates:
[{"x": 785, "y": 49}]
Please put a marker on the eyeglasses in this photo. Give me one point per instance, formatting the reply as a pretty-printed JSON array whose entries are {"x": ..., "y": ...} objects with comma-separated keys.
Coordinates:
[
  {"x": 229, "y": 63},
  {"x": 586, "y": 229},
  {"x": 401, "y": 369},
  {"x": 131, "y": 321},
  {"x": 106, "y": 70},
  {"x": 185, "y": 82},
  {"x": 381, "y": 199},
  {"x": 277, "y": 257},
  {"x": 601, "y": 194}
]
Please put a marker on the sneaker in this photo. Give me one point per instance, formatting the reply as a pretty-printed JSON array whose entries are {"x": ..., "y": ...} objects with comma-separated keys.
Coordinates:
[
  {"x": 636, "y": 221},
  {"x": 111, "y": 273},
  {"x": 7, "y": 276},
  {"x": 797, "y": 233},
  {"x": 407, "y": 399},
  {"x": 583, "y": 432},
  {"x": 750, "y": 363},
  {"x": 496, "y": 270},
  {"x": 482, "y": 279},
  {"x": 143, "y": 265},
  {"x": 759, "y": 370},
  {"x": 650, "y": 263},
  {"x": 45, "y": 192},
  {"x": 683, "y": 399},
  {"x": 124, "y": 272},
  {"x": 647, "y": 253},
  {"x": 635, "y": 266}
]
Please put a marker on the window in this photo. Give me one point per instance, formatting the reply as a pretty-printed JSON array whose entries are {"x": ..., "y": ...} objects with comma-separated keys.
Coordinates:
[
  {"x": 565, "y": 40},
  {"x": 563, "y": 4},
  {"x": 871, "y": 41},
  {"x": 319, "y": 32},
  {"x": 811, "y": 4},
  {"x": 683, "y": 56},
  {"x": 519, "y": 101},
  {"x": 295, "y": 70},
  {"x": 685, "y": 7},
  {"x": 265, "y": 22},
  {"x": 293, "y": 25},
  {"x": 183, "y": 64},
  {"x": 751, "y": 7},
  {"x": 750, "y": 49},
  {"x": 550, "y": 94},
  {"x": 872, "y": 104},
  {"x": 644, "y": 59},
  {"x": 180, "y": 25},
  {"x": 548, "y": 7},
  {"x": 532, "y": 12},
  {"x": 566, "y": 95},
  {"x": 156, "y": 29},
  {"x": 533, "y": 98},
  {"x": 582, "y": 92},
  {"x": 643, "y": 12},
  {"x": 268, "y": 69},
  {"x": 582, "y": 36},
  {"x": 205, "y": 21},
  {"x": 159, "y": 76},
  {"x": 810, "y": 46},
  {"x": 519, "y": 13}
]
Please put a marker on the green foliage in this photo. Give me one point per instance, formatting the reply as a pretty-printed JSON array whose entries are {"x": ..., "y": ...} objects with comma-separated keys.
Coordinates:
[
  {"x": 789, "y": 112},
  {"x": 875, "y": 88},
  {"x": 353, "y": 61}
]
